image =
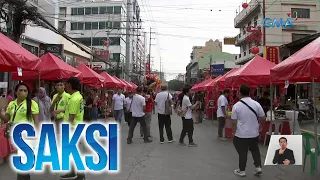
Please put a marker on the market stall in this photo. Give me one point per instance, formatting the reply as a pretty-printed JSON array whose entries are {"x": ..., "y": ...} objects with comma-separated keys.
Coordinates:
[
  {"x": 111, "y": 82},
  {"x": 90, "y": 77}
]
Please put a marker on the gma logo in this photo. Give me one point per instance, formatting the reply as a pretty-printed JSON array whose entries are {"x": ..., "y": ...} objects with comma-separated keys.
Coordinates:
[{"x": 268, "y": 23}]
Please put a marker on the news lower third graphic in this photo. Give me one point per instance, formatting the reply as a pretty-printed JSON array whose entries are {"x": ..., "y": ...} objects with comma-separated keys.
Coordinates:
[{"x": 90, "y": 148}]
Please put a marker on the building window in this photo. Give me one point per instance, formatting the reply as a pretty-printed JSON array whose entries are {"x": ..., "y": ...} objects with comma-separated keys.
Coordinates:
[
  {"x": 249, "y": 23},
  {"x": 116, "y": 56},
  {"x": 296, "y": 37},
  {"x": 244, "y": 48},
  {"x": 95, "y": 10},
  {"x": 109, "y": 25},
  {"x": 302, "y": 13},
  {"x": 117, "y": 10},
  {"x": 95, "y": 25},
  {"x": 74, "y": 26},
  {"x": 114, "y": 41},
  {"x": 110, "y": 10},
  {"x": 116, "y": 25},
  {"x": 255, "y": 21},
  {"x": 102, "y": 10},
  {"x": 80, "y": 11},
  {"x": 102, "y": 25},
  {"x": 87, "y": 25},
  {"x": 74, "y": 11},
  {"x": 34, "y": 50},
  {"x": 80, "y": 26},
  {"x": 244, "y": 54},
  {"x": 88, "y": 10},
  {"x": 244, "y": 30}
]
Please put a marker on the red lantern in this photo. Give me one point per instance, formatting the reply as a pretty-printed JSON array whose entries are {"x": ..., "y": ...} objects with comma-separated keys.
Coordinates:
[
  {"x": 245, "y": 5},
  {"x": 105, "y": 43},
  {"x": 202, "y": 57},
  {"x": 255, "y": 50}
]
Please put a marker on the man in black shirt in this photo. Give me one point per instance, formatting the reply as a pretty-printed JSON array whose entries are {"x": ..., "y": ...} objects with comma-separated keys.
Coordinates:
[
  {"x": 284, "y": 155},
  {"x": 265, "y": 102}
]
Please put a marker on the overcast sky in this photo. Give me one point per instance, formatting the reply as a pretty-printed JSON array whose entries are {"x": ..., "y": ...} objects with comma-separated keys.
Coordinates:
[{"x": 182, "y": 24}]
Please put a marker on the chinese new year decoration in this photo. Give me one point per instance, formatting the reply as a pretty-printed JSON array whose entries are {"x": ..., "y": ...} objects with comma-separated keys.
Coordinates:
[
  {"x": 255, "y": 50},
  {"x": 255, "y": 34},
  {"x": 245, "y": 5},
  {"x": 152, "y": 81}
]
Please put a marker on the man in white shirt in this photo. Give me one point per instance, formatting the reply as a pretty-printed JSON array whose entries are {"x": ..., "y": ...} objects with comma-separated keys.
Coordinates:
[
  {"x": 138, "y": 106},
  {"x": 164, "y": 120},
  {"x": 222, "y": 112},
  {"x": 127, "y": 110},
  {"x": 246, "y": 115},
  {"x": 117, "y": 104},
  {"x": 187, "y": 122}
]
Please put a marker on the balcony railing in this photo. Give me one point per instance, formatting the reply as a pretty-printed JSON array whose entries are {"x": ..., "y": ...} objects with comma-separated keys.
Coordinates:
[
  {"x": 241, "y": 13},
  {"x": 241, "y": 38}
]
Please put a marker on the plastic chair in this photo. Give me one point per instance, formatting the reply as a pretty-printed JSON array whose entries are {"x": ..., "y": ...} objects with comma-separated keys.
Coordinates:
[{"x": 309, "y": 151}]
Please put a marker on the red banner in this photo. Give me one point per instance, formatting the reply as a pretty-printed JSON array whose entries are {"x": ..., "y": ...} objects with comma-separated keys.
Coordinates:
[
  {"x": 102, "y": 54},
  {"x": 148, "y": 70},
  {"x": 272, "y": 54}
]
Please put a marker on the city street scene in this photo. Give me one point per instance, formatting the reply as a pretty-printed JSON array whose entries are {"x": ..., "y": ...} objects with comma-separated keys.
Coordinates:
[{"x": 199, "y": 89}]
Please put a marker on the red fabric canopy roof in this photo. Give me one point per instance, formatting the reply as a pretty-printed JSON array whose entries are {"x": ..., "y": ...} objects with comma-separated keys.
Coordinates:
[
  {"x": 253, "y": 73},
  {"x": 200, "y": 86},
  {"x": 110, "y": 82},
  {"x": 133, "y": 85},
  {"x": 302, "y": 66},
  {"x": 221, "y": 82},
  {"x": 124, "y": 85},
  {"x": 210, "y": 85},
  {"x": 129, "y": 87},
  {"x": 51, "y": 68},
  {"x": 13, "y": 56},
  {"x": 90, "y": 77}
]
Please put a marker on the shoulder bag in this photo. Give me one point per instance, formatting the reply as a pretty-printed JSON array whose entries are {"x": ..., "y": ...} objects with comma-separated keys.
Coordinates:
[
  {"x": 168, "y": 107},
  {"x": 250, "y": 108}
]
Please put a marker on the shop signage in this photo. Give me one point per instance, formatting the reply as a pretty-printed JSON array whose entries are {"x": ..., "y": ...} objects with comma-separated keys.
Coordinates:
[
  {"x": 102, "y": 55},
  {"x": 211, "y": 104},
  {"x": 55, "y": 49},
  {"x": 271, "y": 23},
  {"x": 80, "y": 60},
  {"x": 272, "y": 54},
  {"x": 217, "y": 69},
  {"x": 229, "y": 40},
  {"x": 98, "y": 66}
]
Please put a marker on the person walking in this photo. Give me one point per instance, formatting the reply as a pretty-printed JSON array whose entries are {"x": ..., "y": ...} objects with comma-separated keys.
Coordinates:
[
  {"x": 74, "y": 115},
  {"x": 138, "y": 106},
  {"x": 222, "y": 112},
  {"x": 245, "y": 117},
  {"x": 127, "y": 110},
  {"x": 164, "y": 102},
  {"x": 44, "y": 103},
  {"x": 117, "y": 105},
  {"x": 92, "y": 104},
  {"x": 148, "y": 111},
  {"x": 187, "y": 122}
]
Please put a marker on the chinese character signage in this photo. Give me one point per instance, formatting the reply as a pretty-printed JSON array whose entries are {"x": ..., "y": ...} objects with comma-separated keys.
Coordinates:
[
  {"x": 102, "y": 55},
  {"x": 217, "y": 69},
  {"x": 272, "y": 54}
]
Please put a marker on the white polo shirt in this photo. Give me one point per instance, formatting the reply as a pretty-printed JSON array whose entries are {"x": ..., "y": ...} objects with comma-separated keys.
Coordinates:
[
  {"x": 161, "y": 101},
  {"x": 222, "y": 101},
  {"x": 187, "y": 104},
  {"x": 118, "y": 101},
  {"x": 137, "y": 104},
  {"x": 127, "y": 103},
  {"x": 247, "y": 121}
]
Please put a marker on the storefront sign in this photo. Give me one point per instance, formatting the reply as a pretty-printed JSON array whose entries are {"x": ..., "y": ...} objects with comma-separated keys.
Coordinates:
[
  {"x": 272, "y": 54},
  {"x": 80, "y": 60},
  {"x": 102, "y": 55},
  {"x": 211, "y": 104},
  {"x": 229, "y": 40},
  {"x": 217, "y": 69},
  {"x": 98, "y": 66},
  {"x": 55, "y": 49}
]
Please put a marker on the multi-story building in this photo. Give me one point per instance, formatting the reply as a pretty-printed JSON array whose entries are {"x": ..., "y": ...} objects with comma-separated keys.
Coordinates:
[
  {"x": 110, "y": 26},
  {"x": 304, "y": 15},
  {"x": 210, "y": 46},
  {"x": 180, "y": 77}
]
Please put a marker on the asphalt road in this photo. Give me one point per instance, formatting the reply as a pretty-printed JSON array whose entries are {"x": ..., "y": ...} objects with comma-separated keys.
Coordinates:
[{"x": 212, "y": 159}]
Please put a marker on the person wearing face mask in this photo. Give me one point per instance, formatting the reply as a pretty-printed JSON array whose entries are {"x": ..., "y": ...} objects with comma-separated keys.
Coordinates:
[
  {"x": 21, "y": 110},
  {"x": 59, "y": 103},
  {"x": 44, "y": 103}
]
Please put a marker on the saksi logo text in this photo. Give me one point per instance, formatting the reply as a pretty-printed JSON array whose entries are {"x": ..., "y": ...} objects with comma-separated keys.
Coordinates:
[
  {"x": 46, "y": 148},
  {"x": 268, "y": 23}
]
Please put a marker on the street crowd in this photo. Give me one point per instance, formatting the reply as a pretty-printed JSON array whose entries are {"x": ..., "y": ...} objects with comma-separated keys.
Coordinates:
[{"x": 68, "y": 105}]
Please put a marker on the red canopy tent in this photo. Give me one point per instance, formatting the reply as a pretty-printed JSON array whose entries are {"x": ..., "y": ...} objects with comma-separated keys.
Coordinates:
[
  {"x": 221, "y": 82},
  {"x": 124, "y": 85},
  {"x": 254, "y": 73},
  {"x": 13, "y": 56},
  {"x": 133, "y": 85},
  {"x": 129, "y": 87},
  {"x": 302, "y": 66},
  {"x": 200, "y": 86},
  {"x": 210, "y": 85},
  {"x": 110, "y": 82},
  {"x": 90, "y": 77},
  {"x": 51, "y": 68}
]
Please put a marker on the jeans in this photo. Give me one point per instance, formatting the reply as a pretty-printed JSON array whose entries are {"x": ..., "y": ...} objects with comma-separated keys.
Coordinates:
[
  {"x": 133, "y": 124},
  {"x": 93, "y": 114},
  {"x": 118, "y": 115},
  {"x": 165, "y": 121},
  {"x": 242, "y": 146},
  {"x": 222, "y": 123},
  {"x": 200, "y": 116},
  {"x": 187, "y": 127},
  {"x": 148, "y": 116}
]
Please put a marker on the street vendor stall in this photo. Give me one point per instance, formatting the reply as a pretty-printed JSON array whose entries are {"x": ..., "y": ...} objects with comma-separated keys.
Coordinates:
[
  {"x": 111, "y": 82},
  {"x": 90, "y": 77}
]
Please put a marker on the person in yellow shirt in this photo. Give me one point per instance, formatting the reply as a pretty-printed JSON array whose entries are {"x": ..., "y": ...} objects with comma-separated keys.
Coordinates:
[
  {"x": 59, "y": 103},
  {"x": 21, "y": 110},
  {"x": 74, "y": 115}
]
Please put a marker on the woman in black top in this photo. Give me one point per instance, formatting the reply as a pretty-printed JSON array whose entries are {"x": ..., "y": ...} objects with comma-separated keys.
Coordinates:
[{"x": 92, "y": 104}]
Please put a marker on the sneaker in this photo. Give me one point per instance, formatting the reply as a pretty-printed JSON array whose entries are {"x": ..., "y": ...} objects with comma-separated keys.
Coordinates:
[
  {"x": 258, "y": 171},
  {"x": 223, "y": 139},
  {"x": 171, "y": 141},
  {"x": 69, "y": 176},
  {"x": 193, "y": 145},
  {"x": 239, "y": 173},
  {"x": 81, "y": 177},
  {"x": 182, "y": 144},
  {"x": 129, "y": 141},
  {"x": 148, "y": 141},
  {"x": 161, "y": 142},
  {"x": 141, "y": 136}
]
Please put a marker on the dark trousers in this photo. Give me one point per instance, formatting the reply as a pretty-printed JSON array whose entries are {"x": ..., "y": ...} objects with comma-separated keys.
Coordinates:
[
  {"x": 242, "y": 146},
  {"x": 165, "y": 121},
  {"x": 23, "y": 177},
  {"x": 187, "y": 127},
  {"x": 222, "y": 123},
  {"x": 128, "y": 117},
  {"x": 133, "y": 125}
]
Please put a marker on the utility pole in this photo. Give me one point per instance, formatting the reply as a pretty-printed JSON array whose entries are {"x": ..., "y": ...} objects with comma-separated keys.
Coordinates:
[
  {"x": 149, "y": 60},
  {"x": 210, "y": 65},
  {"x": 128, "y": 41}
]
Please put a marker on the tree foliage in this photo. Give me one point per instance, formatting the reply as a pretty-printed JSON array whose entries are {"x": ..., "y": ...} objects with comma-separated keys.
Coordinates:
[{"x": 175, "y": 85}]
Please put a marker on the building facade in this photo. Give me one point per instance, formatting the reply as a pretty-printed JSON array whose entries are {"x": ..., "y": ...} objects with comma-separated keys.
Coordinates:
[
  {"x": 304, "y": 16},
  {"x": 180, "y": 77},
  {"x": 210, "y": 46}
]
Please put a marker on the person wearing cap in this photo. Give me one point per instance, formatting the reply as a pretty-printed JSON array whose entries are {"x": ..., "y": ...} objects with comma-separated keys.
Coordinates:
[{"x": 164, "y": 119}]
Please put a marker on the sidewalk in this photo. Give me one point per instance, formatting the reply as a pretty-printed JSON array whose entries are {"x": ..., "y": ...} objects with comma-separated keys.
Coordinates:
[{"x": 212, "y": 160}]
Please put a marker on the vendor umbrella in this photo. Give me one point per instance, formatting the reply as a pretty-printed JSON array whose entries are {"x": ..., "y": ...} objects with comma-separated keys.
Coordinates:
[
  {"x": 200, "y": 86},
  {"x": 90, "y": 77},
  {"x": 124, "y": 85},
  {"x": 254, "y": 73},
  {"x": 13, "y": 56},
  {"x": 129, "y": 87},
  {"x": 133, "y": 85},
  {"x": 110, "y": 82},
  {"x": 210, "y": 85},
  {"x": 51, "y": 68}
]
